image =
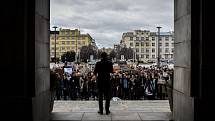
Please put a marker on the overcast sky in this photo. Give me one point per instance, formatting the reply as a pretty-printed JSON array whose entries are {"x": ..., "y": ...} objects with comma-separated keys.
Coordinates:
[{"x": 106, "y": 20}]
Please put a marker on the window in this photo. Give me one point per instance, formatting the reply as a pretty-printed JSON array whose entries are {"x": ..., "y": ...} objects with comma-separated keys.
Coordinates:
[
  {"x": 131, "y": 44},
  {"x": 137, "y": 50},
  {"x": 142, "y": 50},
  {"x": 147, "y": 38},
  {"x": 137, "y": 44},
  {"x": 57, "y": 54},
  {"x": 73, "y": 42},
  {"x": 167, "y": 44},
  {"x": 62, "y": 37},
  {"x": 63, "y": 42},
  {"x": 83, "y": 42},
  {"x": 52, "y": 48},
  {"x": 147, "y": 56},
  {"x": 153, "y": 44},
  {"x": 166, "y": 56},
  {"x": 153, "y": 50},
  {"x": 53, "y": 43},
  {"x": 142, "y": 56},
  {"x": 147, "y": 44},
  {"x": 62, "y": 48},
  {"x": 57, "y": 48},
  {"x": 153, "y": 38},
  {"x": 147, "y": 50},
  {"x": 68, "y": 43},
  {"x": 153, "y": 56},
  {"x": 131, "y": 38},
  {"x": 68, "y": 38},
  {"x": 142, "y": 43},
  {"x": 166, "y": 38},
  {"x": 160, "y": 44},
  {"x": 160, "y": 50},
  {"x": 137, "y": 38},
  {"x": 79, "y": 42},
  {"x": 142, "y": 38},
  {"x": 172, "y": 50},
  {"x": 172, "y": 44},
  {"x": 166, "y": 50}
]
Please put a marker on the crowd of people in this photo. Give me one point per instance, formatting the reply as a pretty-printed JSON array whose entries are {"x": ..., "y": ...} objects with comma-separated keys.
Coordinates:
[{"x": 135, "y": 84}]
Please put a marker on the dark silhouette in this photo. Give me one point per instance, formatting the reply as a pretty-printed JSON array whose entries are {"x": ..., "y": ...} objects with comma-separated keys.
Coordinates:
[{"x": 102, "y": 70}]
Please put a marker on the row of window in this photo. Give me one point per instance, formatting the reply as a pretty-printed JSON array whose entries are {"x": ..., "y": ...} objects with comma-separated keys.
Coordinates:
[
  {"x": 65, "y": 48},
  {"x": 67, "y": 38},
  {"x": 69, "y": 42},
  {"x": 147, "y": 44},
  {"x": 152, "y": 38},
  {"x": 147, "y": 50},
  {"x": 153, "y": 56},
  {"x": 67, "y": 33}
]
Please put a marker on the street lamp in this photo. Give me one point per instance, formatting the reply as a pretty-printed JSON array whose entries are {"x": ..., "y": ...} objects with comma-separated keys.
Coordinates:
[
  {"x": 76, "y": 46},
  {"x": 158, "y": 48},
  {"x": 55, "y": 58}
]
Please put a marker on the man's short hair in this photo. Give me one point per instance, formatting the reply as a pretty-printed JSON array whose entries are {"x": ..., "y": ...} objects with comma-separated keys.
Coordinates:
[{"x": 103, "y": 55}]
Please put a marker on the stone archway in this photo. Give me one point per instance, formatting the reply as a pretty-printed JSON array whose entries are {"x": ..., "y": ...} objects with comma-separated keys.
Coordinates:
[{"x": 26, "y": 27}]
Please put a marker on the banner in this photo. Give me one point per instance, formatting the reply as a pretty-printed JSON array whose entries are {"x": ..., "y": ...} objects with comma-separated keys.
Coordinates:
[{"x": 68, "y": 70}]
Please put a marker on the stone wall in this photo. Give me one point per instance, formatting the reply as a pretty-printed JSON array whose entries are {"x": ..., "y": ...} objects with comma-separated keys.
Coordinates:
[
  {"x": 25, "y": 60},
  {"x": 41, "y": 101},
  {"x": 183, "y": 103}
]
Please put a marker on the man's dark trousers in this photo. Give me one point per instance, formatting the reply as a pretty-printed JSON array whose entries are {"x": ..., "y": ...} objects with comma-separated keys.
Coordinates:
[{"x": 104, "y": 91}]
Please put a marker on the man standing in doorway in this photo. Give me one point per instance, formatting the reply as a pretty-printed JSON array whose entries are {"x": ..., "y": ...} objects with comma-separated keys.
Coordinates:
[{"x": 102, "y": 71}]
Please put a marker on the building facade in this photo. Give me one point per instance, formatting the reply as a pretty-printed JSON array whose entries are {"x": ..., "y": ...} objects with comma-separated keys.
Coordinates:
[
  {"x": 68, "y": 40},
  {"x": 144, "y": 44}
]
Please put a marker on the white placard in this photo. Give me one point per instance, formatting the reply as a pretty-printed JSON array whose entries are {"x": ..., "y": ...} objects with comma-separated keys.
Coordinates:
[
  {"x": 68, "y": 70},
  {"x": 122, "y": 57},
  {"x": 91, "y": 57}
]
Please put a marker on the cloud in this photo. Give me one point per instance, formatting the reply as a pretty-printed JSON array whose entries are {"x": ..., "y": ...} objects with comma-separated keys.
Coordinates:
[{"x": 106, "y": 20}]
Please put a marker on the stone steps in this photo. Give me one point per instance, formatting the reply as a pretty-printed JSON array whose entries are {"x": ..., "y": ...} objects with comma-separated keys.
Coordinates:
[{"x": 144, "y": 110}]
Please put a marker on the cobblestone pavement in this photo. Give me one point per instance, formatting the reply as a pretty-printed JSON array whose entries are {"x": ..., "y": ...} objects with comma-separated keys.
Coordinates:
[{"x": 120, "y": 110}]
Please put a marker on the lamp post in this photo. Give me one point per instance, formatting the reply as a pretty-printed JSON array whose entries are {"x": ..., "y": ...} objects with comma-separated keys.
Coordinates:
[
  {"x": 158, "y": 47},
  {"x": 55, "y": 58},
  {"x": 76, "y": 47},
  {"x": 134, "y": 51}
]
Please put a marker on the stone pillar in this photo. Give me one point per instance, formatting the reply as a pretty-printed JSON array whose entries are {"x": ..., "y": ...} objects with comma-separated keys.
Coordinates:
[
  {"x": 25, "y": 60},
  {"x": 194, "y": 66},
  {"x": 183, "y": 104},
  {"x": 41, "y": 101}
]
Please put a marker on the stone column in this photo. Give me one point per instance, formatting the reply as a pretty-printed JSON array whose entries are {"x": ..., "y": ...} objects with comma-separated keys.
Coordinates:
[
  {"x": 194, "y": 65},
  {"x": 25, "y": 60}
]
